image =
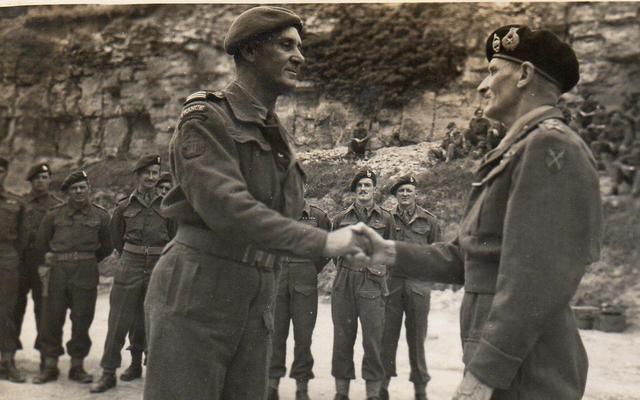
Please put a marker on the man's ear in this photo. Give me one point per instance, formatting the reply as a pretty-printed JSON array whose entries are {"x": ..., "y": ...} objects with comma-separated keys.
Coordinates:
[
  {"x": 248, "y": 52},
  {"x": 527, "y": 72}
]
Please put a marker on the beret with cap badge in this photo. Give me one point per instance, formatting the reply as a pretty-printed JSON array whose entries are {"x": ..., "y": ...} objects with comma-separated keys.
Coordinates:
[
  {"x": 145, "y": 161},
  {"x": 554, "y": 60},
  {"x": 165, "y": 177},
  {"x": 37, "y": 169},
  {"x": 258, "y": 21},
  {"x": 73, "y": 178},
  {"x": 367, "y": 173},
  {"x": 405, "y": 180}
]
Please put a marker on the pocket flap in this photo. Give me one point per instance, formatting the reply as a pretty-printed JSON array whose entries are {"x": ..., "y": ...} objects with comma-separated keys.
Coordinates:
[
  {"x": 369, "y": 294},
  {"x": 305, "y": 289}
]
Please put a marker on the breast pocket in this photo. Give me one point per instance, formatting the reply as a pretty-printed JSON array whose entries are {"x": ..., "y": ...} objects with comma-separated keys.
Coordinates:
[
  {"x": 378, "y": 226},
  {"x": 9, "y": 218},
  {"x": 133, "y": 223},
  {"x": 419, "y": 232}
]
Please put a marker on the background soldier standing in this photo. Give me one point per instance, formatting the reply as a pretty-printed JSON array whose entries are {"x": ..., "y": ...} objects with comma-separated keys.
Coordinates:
[
  {"x": 72, "y": 239},
  {"x": 358, "y": 293},
  {"x": 139, "y": 232},
  {"x": 11, "y": 245},
  {"x": 236, "y": 200},
  {"x": 37, "y": 203},
  {"x": 164, "y": 184},
  {"x": 532, "y": 225},
  {"x": 408, "y": 296},
  {"x": 297, "y": 303}
]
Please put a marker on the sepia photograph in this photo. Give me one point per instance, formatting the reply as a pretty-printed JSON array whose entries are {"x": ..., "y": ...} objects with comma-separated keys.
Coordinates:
[{"x": 327, "y": 201}]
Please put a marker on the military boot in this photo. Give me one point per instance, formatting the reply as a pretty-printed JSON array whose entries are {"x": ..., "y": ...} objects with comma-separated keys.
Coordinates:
[
  {"x": 77, "y": 372},
  {"x": 135, "y": 369},
  {"x": 11, "y": 372},
  {"x": 49, "y": 373},
  {"x": 107, "y": 381}
]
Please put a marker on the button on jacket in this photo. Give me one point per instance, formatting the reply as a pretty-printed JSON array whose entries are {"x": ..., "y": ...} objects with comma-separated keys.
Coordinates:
[{"x": 532, "y": 225}]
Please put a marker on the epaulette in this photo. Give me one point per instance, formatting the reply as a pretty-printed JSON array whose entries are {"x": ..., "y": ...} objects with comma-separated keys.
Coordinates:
[
  {"x": 428, "y": 212},
  {"x": 203, "y": 95},
  {"x": 96, "y": 205},
  {"x": 122, "y": 199},
  {"x": 553, "y": 123}
]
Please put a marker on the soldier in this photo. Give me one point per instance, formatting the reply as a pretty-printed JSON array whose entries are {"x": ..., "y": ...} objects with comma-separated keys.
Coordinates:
[
  {"x": 359, "y": 146},
  {"x": 297, "y": 301},
  {"x": 237, "y": 197},
  {"x": 412, "y": 297},
  {"x": 139, "y": 233},
  {"x": 11, "y": 245},
  {"x": 37, "y": 203},
  {"x": 532, "y": 225},
  {"x": 73, "y": 237},
  {"x": 358, "y": 293},
  {"x": 477, "y": 131},
  {"x": 164, "y": 184}
]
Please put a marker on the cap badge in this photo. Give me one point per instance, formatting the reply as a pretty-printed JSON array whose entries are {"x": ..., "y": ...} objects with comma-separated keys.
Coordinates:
[
  {"x": 45, "y": 168},
  {"x": 511, "y": 39},
  {"x": 496, "y": 43},
  {"x": 84, "y": 174},
  {"x": 368, "y": 174}
]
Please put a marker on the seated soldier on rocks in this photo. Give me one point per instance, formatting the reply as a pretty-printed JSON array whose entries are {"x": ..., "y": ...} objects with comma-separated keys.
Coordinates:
[{"x": 359, "y": 146}]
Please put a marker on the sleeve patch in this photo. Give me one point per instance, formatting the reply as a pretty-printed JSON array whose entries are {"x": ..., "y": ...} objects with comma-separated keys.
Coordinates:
[
  {"x": 555, "y": 159},
  {"x": 193, "y": 146},
  {"x": 192, "y": 109}
]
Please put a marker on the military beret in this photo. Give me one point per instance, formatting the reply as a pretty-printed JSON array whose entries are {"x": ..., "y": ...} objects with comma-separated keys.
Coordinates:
[
  {"x": 145, "y": 161},
  {"x": 553, "y": 59},
  {"x": 367, "y": 173},
  {"x": 4, "y": 163},
  {"x": 165, "y": 177},
  {"x": 36, "y": 169},
  {"x": 258, "y": 21},
  {"x": 405, "y": 180},
  {"x": 73, "y": 178}
]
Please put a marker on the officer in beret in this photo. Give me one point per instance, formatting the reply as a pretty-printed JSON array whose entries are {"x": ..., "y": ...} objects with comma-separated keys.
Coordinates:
[
  {"x": 165, "y": 183},
  {"x": 297, "y": 303},
  {"x": 532, "y": 225},
  {"x": 139, "y": 232},
  {"x": 73, "y": 237},
  {"x": 11, "y": 247},
  {"x": 358, "y": 293},
  {"x": 37, "y": 203},
  {"x": 237, "y": 197},
  {"x": 408, "y": 296}
]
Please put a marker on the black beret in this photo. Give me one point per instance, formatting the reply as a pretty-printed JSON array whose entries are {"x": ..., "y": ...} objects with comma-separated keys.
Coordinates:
[
  {"x": 553, "y": 59},
  {"x": 258, "y": 21},
  {"x": 73, "y": 178},
  {"x": 145, "y": 161},
  {"x": 367, "y": 173},
  {"x": 405, "y": 180},
  {"x": 38, "y": 168},
  {"x": 4, "y": 163},
  {"x": 165, "y": 177}
]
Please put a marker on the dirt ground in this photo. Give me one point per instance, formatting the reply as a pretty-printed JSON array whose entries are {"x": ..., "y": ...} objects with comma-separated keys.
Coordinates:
[{"x": 614, "y": 362}]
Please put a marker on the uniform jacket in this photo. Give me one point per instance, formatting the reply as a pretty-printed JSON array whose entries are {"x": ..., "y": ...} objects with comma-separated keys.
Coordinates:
[
  {"x": 421, "y": 228},
  {"x": 238, "y": 178},
  {"x": 532, "y": 224},
  {"x": 379, "y": 219},
  {"x": 133, "y": 221},
  {"x": 66, "y": 229},
  {"x": 36, "y": 206},
  {"x": 314, "y": 216},
  {"x": 12, "y": 217}
]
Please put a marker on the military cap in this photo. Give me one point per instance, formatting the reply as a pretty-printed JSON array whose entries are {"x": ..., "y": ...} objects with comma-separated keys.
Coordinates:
[
  {"x": 145, "y": 161},
  {"x": 165, "y": 177},
  {"x": 4, "y": 163},
  {"x": 38, "y": 168},
  {"x": 258, "y": 21},
  {"x": 553, "y": 59},
  {"x": 405, "y": 180},
  {"x": 367, "y": 173},
  {"x": 73, "y": 178}
]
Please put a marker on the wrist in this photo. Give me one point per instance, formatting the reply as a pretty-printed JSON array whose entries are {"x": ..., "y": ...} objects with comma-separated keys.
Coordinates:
[{"x": 390, "y": 252}]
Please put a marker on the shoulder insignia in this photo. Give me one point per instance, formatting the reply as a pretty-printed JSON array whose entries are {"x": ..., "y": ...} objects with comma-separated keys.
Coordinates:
[
  {"x": 553, "y": 123},
  {"x": 554, "y": 159},
  {"x": 191, "y": 109},
  {"x": 217, "y": 95},
  {"x": 193, "y": 146},
  {"x": 197, "y": 96}
]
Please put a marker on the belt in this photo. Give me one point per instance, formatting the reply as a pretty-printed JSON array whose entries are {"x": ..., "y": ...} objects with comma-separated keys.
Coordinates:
[
  {"x": 146, "y": 250},
  {"x": 206, "y": 241},
  {"x": 353, "y": 267},
  {"x": 74, "y": 256},
  {"x": 297, "y": 260}
]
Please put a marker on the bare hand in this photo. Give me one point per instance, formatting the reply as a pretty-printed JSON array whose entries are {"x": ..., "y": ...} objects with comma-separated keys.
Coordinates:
[
  {"x": 346, "y": 241},
  {"x": 380, "y": 251},
  {"x": 472, "y": 389}
]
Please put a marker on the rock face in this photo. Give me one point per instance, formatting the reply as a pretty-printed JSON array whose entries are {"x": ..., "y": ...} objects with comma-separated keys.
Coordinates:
[{"x": 92, "y": 82}]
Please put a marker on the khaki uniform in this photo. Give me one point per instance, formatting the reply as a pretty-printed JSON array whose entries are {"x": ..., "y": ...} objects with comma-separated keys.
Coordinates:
[
  {"x": 237, "y": 199},
  {"x": 532, "y": 225},
  {"x": 139, "y": 232},
  {"x": 297, "y": 304},
  {"x": 11, "y": 244},
  {"x": 358, "y": 293},
  {"x": 35, "y": 209},
  {"x": 76, "y": 240},
  {"x": 410, "y": 297}
]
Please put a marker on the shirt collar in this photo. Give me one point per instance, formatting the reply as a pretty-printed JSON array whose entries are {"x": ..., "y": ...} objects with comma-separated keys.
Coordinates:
[
  {"x": 244, "y": 106},
  {"x": 370, "y": 210},
  {"x": 139, "y": 196}
]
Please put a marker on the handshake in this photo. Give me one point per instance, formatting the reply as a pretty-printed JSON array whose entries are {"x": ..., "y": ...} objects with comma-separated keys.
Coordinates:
[{"x": 360, "y": 245}]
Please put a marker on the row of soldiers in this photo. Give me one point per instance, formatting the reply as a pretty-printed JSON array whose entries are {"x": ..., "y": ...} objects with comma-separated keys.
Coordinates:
[{"x": 52, "y": 248}]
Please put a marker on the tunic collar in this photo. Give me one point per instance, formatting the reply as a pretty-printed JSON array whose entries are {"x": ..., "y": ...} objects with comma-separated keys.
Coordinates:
[{"x": 245, "y": 107}]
